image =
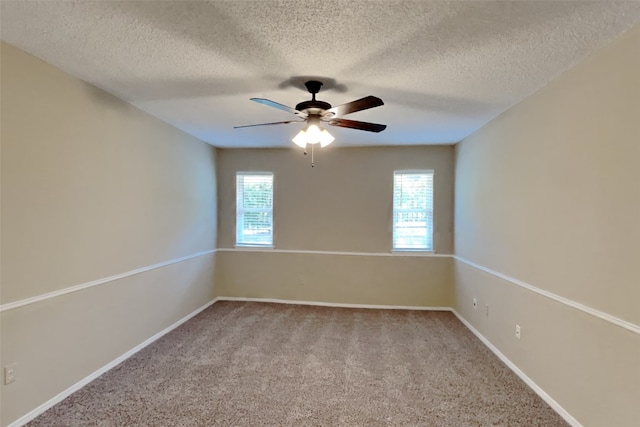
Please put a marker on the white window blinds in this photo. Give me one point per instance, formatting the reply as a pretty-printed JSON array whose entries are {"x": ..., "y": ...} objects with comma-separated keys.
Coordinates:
[
  {"x": 254, "y": 209},
  {"x": 413, "y": 210}
]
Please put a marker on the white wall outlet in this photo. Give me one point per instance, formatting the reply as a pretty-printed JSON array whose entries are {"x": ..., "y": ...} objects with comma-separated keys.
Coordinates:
[
  {"x": 475, "y": 304},
  {"x": 10, "y": 373},
  {"x": 518, "y": 331},
  {"x": 486, "y": 309}
]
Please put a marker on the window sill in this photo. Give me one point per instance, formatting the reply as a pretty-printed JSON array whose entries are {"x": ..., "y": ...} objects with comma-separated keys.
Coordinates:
[
  {"x": 253, "y": 246},
  {"x": 420, "y": 251}
]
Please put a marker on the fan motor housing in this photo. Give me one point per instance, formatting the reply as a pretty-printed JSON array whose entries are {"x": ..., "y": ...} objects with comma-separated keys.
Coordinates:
[{"x": 313, "y": 106}]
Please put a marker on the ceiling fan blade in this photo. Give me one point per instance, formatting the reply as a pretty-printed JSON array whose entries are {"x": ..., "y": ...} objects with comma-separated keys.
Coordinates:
[
  {"x": 282, "y": 107},
  {"x": 353, "y": 124},
  {"x": 353, "y": 106},
  {"x": 269, "y": 124}
]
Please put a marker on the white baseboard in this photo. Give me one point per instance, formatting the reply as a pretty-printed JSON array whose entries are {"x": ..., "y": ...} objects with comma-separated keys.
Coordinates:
[
  {"x": 77, "y": 386},
  {"x": 535, "y": 387},
  {"x": 334, "y": 304}
]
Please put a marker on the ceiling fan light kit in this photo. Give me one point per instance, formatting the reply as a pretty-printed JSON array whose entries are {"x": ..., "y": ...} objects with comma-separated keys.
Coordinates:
[
  {"x": 313, "y": 134},
  {"x": 315, "y": 112}
]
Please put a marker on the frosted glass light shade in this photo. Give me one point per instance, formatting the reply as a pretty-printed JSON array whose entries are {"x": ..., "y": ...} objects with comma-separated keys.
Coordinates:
[
  {"x": 300, "y": 139},
  {"x": 325, "y": 138},
  {"x": 313, "y": 134}
]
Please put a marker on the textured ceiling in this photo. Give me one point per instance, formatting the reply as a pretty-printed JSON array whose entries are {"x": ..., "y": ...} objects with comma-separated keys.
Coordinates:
[{"x": 443, "y": 69}]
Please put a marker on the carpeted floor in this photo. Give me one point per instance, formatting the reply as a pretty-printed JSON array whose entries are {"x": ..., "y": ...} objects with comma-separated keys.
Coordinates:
[{"x": 256, "y": 364}]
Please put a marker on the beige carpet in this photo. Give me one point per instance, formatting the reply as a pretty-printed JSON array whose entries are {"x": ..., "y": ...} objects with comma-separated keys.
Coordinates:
[{"x": 256, "y": 364}]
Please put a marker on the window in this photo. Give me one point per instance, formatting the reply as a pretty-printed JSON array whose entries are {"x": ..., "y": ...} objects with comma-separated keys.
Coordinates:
[
  {"x": 254, "y": 209},
  {"x": 413, "y": 210}
]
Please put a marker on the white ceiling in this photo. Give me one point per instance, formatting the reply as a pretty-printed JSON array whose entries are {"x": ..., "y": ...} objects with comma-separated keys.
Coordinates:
[{"x": 443, "y": 69}]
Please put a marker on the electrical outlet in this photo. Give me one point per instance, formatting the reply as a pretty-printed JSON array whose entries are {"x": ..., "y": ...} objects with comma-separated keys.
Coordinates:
[
  {"x": 10, "y": 373},
  {"x": 518, "y": 331},
  {"x": 475, "y": 304},
  {"x": 486, "y": 309}
]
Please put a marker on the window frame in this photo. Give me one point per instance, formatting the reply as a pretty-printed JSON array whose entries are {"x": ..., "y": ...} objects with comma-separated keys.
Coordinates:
[
  {"x": 238, "y": 211},
  {"x": 426, "y": 210}
]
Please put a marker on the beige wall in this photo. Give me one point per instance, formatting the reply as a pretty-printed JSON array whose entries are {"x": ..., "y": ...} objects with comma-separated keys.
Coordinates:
[
  {"x": 335, "y": 278},
  {"x": 91, "y": 188},
  {"x": 549, "y": 194},
  {"x": 343, "y": 204}
]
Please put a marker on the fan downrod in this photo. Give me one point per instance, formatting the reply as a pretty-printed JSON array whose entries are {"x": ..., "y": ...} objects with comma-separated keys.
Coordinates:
[{"x": 314, "y": 106}]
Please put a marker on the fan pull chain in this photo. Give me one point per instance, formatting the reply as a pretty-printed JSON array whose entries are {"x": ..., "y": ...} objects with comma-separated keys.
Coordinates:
[{"x": 305, "y": 153}]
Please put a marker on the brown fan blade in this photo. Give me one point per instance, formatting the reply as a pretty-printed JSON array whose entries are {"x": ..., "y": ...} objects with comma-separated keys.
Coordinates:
[
  {"x": 269, "y": 124},
  {"x": 353, "y": 106},
  {"x": 353, "y": 124},
  {"x": 274, "y": 104}
]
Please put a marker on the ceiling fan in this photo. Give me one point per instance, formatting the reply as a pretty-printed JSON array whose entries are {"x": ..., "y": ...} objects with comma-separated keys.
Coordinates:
[{"x": 315, "y": 112}]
